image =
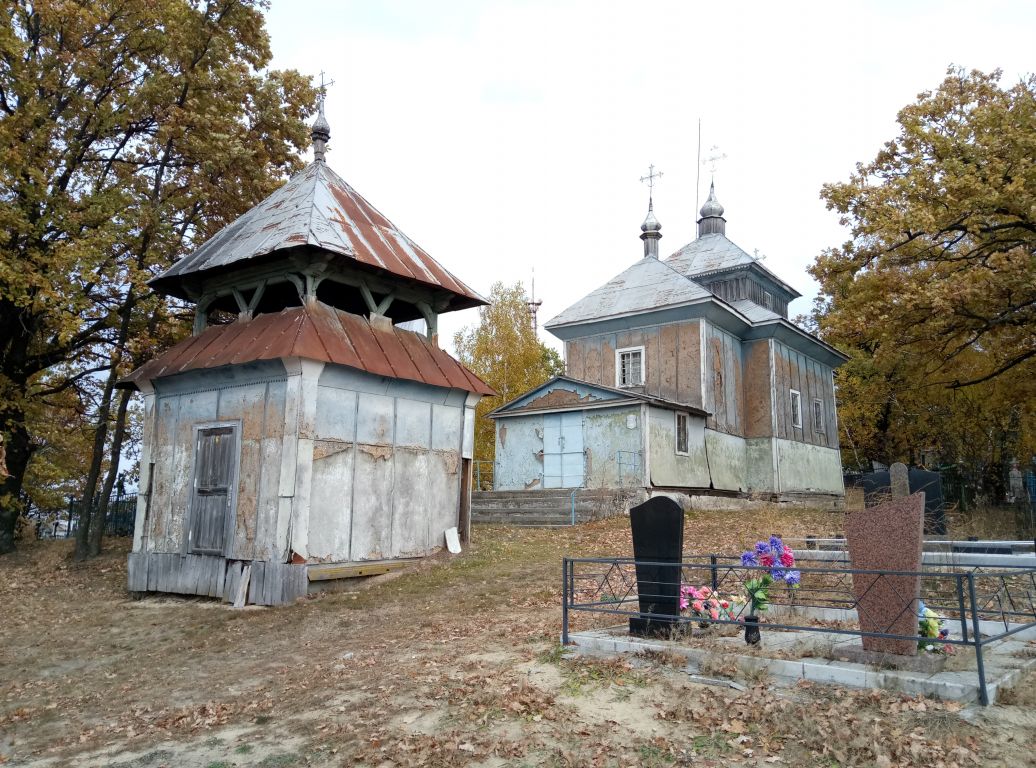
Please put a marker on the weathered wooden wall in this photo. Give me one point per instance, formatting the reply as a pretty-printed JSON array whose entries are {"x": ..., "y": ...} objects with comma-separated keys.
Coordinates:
[
  {"x": 386, "y": 467},
  {"x": 724, "y": 385},
  {"x": 252, "y": 398},
  {"x": 672, "y": 360},
  {"x": 794, "y": 370}
]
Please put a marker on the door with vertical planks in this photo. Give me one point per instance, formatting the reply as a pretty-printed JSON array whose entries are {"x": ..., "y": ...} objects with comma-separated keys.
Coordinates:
[{"x": 215, "y": 463}]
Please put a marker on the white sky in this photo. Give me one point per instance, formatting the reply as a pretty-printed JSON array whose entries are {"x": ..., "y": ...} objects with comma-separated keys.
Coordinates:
[{"x": 510, "y": 136}]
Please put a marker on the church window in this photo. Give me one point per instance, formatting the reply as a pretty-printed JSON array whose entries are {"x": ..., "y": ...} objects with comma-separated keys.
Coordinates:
[
  {"x": 818, "y": 415},
  {"x": 796, "y": 409},
  {"x": 629, "y": 367},
  {"x": 682, "y": 437},
  {"x": 767, "y": 299}
]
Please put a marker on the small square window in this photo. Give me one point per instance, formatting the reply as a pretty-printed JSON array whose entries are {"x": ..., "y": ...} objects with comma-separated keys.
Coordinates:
[
  {"x": 629, "y": 367},
  {"x": 818, "y": 415},
  {"x": 767, "y": 299},
  {"x": 682, "y": 438},
  {"x": 796, "y": 409}
]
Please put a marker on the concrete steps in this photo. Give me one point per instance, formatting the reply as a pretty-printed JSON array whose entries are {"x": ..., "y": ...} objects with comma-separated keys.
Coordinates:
[{"x": 545, "y": 508}]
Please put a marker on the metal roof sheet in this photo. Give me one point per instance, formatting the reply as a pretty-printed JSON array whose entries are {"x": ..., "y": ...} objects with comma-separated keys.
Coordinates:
[
  {"x": 648, "y": 284},
  {"x": 315, "y": 332},
  {"x": 715, "y": 253},
  {"x": 754, "y": 312},
  {"x": 318, "y": 208}
]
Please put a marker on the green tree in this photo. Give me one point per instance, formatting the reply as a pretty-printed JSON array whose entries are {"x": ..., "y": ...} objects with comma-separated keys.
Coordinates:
[
  {"x": 128, "y": 133},
  {"x": 504, "y": 351},
  {"x": 934, "y": 294}
]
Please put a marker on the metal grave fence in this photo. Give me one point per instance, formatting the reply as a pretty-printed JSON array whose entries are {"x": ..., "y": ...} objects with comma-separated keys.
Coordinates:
[{"x": 982, "y": 605}]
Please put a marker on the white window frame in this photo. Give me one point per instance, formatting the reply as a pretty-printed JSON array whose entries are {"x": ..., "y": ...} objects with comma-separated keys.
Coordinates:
[
  {"x": 686, "y": 432},
  {"x": 768, "y": 300},
  {"x": 818, "y": 415},
  {"x": 796, "y": 409},
  {"x": 618, "y": 367}
]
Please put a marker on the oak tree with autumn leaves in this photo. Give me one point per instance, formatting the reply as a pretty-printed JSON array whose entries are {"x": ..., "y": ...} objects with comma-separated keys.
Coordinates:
[
  {"x": 129, "y": 132},
  {"x": 934, "y": 294}
]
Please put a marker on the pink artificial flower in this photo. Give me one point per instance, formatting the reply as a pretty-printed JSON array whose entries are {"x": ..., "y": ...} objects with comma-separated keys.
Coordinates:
[
  {"x": 704, "y": 592},
  {"x": 714, "y": 614},
  {"x": 685, "y": 591},
  {"x": 697, "y": 606},
  {"x": 766, "y": 560},
  {"x": 724, "y": 604},
  {"x": 683, "y": 603},
  {"x": 787, "y": 558}
]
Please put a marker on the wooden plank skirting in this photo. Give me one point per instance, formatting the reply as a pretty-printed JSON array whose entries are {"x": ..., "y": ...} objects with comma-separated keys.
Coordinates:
[
  {"x": 331, "y": 571},
  {"x": 214, "y": 576}
]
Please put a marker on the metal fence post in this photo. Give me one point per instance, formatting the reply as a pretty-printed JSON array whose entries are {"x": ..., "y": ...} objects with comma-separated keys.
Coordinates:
[
  {"x": 564, "y": 601},
  {"x": 983, "y": 694},
  {"x": 960, "y": 607},
  {"x": 478, "y": 475},
  {"x": 574, "y": 506},
  {"x": 715, "y": 575}
]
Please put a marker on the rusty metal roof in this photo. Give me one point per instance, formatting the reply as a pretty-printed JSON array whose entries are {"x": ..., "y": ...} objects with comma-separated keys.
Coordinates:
[
  {"x": 317, "y": 208},
  {"x": 715, "y": 253},
  {"x": 648, "y": 284},
  {"x": 315, "y": 332}
]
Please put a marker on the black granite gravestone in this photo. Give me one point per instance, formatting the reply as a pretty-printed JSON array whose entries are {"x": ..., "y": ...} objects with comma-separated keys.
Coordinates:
[
  {"x": 876, "y": 487},
  {"x": 657, "y": 541}
]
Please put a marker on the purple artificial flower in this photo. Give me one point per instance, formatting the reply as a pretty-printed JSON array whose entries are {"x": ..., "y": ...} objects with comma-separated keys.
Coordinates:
[
  {"x": 777, "y": 574},
  {"x": 761, "y": 547},
  {"x": 776, "y": 545},
  {"x": 749, "y": 558},
  {"x": 792, "y": 577}
]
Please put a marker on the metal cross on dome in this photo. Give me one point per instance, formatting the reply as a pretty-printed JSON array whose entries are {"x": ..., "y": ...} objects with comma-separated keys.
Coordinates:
[
  {"x": 324, "y": 84},
  {"x": 650, "y": 178},
  {"x": 714, "y": 157}
]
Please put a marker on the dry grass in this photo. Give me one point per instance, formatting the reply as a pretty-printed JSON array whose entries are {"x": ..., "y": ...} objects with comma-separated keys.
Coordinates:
[{"x": 453, "y": 663}]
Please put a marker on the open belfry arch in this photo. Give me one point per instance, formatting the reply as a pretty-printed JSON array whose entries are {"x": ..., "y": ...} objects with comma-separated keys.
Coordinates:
[{"x": 311, "y": 437}]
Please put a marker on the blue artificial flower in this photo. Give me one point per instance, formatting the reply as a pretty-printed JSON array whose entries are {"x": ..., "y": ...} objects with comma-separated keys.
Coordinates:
[
  {"x": 761, "y": 547},
  {"x": 749, "y": 558},
  {"x": 777, "y": 574},
  {"x": 776, "y": 545},
  {"x": 792, "y": 577}
]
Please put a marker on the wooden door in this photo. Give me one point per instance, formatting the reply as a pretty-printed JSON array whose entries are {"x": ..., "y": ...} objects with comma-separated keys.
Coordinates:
[{"x": 214, "y": 468}]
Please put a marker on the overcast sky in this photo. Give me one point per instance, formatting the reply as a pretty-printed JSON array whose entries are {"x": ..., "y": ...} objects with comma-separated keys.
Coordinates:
[{"x": 505, "y": 137}]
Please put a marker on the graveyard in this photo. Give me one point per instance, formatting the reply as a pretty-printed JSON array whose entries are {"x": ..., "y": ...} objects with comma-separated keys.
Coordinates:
[{"x": 454, "y": 661}]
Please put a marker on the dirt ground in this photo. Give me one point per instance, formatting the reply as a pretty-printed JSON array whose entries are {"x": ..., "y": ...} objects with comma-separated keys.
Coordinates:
[{"x": 453, "y": 663}]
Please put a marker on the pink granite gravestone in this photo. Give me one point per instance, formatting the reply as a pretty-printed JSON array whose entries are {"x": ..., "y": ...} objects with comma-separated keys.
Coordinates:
[{"x": 887, "y": 537}]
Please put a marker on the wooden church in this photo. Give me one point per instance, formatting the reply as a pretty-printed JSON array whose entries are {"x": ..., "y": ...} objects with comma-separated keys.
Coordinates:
[
  {"x": 684, "y": 375},
  {"x": 312, "y": 436}
]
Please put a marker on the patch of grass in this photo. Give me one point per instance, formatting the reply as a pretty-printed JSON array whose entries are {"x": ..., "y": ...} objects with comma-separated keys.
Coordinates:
[
  {"x": 754, "y": 674},
  {"x": 553, "y": 655},
  {"x": 279, "y": 761},
  {"x": 710, "y": 745},
  {"x": 651, "y": 755},
  {"x": 220, "y": 764},
  {"x": 587, "y": 674},
  {"x": 663, "y": 658},
  {"x": 243, "y": 749},
  {"x": 262, "y": 719}
]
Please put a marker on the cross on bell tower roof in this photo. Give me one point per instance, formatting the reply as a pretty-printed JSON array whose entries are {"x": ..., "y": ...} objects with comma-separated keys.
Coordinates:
[{"x": 321, "y": 132}]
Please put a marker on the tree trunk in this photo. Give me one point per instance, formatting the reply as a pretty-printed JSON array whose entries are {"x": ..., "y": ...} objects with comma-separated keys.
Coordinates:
[
  {"x": 90, "y": 507},
  {"x": 100, "y": 515},
  {"x": 18, "y": 451}
]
